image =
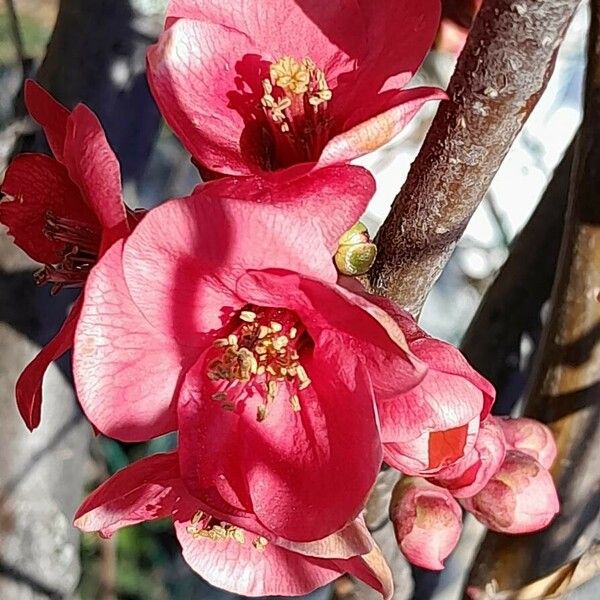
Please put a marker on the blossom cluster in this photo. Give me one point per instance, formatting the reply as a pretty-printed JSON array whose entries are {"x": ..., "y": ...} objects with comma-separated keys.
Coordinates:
[{"x": 222, "y": 316}]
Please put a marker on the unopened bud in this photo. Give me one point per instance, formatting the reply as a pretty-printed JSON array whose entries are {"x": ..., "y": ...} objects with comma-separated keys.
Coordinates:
[
  {"x": 519, "y": 498},
  {"x": 356, "y": 253},
  {"x": 531, "y": 437},
  {"x": 427, "y": 522}
]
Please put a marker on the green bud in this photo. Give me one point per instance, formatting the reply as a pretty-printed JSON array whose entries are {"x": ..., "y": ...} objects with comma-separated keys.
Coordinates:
[{"x": 356, "y": 253}]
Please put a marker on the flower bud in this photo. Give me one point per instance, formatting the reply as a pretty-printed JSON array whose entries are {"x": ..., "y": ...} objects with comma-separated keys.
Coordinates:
[
  {"x": 519, "y": 498},
  {"x": 531, "y": 437},
  {"x": 472, "y": 472},
  {"x": 356, "y": 253},
  {"x": 427, "y": 522}
]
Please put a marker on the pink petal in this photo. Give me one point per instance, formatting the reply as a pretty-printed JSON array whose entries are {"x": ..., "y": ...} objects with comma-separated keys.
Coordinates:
[
  {"x": 35, "y": 185},
  {"x": 28, "y": 389},
  {"x": 301, "y": 491},
  {"x": 126, "y": 372},
  {"x": 372, "y": 569},
  {"x": 427, "y": 522},
  {"x": 326, "y": 32},
  {"x": 432, "y": 451},
  {"x": 374, "y": 127},
  {"x": 200, "y": 246},
  {"x": 241, "y": 568},
  {"x": 94, "y": 167},
  {"x": 192, "y": 72},
  {"x": 49, "y": 113},
  {"x": 531, "y": 437},
  {"x": 143, "y": 491},
  {"x": 470, "y": 474}
]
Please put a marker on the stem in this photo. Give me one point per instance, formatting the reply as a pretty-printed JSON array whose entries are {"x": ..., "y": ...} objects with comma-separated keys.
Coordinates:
[
  {"x": 565, "y": 390},
  {"x": 501, "y": 74}
]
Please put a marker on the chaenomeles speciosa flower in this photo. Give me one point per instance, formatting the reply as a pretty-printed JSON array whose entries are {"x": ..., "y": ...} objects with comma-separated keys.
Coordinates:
[
  {"x": 457, "y": 18},
  {"x": 241, "y": 559},
  {"x": 64, "y": 212},
  {"x": 268, "y": 85},
  {"x": 220, "y": 317}
]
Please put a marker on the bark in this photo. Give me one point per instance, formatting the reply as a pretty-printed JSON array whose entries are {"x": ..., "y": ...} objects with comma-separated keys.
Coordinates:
[
  {"x": 511, "y": 307},
  {"x": 565, "y": 391},
  {"x": 501, "y": 74}
]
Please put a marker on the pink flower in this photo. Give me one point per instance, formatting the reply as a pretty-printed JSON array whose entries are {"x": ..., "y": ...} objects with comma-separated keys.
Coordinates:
[
  {"x": 242, "y": 560},
  {"x": 64, "y": 212},
  {"x": 436, "y": 423},
  {"x": 270, "y": 85},
  {"x": 519, "y": 498},
  {"x": 470, "y": 474},
  {"x": 220, "y": 316},
  {"x": 531, "y": 437},
  {"x": 427, "y": 522}
]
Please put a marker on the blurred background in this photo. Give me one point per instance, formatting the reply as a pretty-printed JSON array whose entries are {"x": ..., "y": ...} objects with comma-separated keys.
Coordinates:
[{"x": 93, "y": 51}]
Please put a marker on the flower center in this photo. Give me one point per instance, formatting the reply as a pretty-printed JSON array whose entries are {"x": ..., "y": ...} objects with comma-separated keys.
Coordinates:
[
  {"x": 81, "y": 245},
  {"x": 207, "y": 527},
  {"x": 295, "y": 101},
  {"x": 262, "y": 352}
]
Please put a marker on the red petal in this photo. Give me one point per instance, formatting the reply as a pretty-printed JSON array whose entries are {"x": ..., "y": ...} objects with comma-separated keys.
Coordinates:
[
  {"x": 37, "y": 184},
  {"x": 201, "y": 245},
  {"x": 94, "y": 167},
  {"x": 50, "y": 114},
  {"x": 301, "y": 491},
  {"x": 241, "y": 568},
  {"x": 125, "y": 371},
  {"x": 29, "y": 385},
  {"x": 143, "y": 491}
]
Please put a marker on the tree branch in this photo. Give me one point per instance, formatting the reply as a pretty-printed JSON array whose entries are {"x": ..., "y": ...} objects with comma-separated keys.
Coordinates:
[
  {"x": 500, "y": 76},
  {"x": 565, "y": 391}
]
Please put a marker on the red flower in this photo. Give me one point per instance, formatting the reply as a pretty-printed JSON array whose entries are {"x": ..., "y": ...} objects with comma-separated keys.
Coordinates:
[
  {"x": 220, "y": 316},
  {"x": 273, "y": 84},
  {"x": 64, "y": 212},
  {"x": 427, "y": 522},
  {"x": 241, "y": 560}
]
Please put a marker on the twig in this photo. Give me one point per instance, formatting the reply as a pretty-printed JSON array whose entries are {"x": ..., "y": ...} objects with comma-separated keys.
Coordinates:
[
  {"x": 499, "y": 78},
  {"x": 565, "y": 391}
]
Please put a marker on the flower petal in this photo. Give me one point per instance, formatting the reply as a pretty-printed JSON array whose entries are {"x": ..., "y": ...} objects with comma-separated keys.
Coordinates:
[
  {"x": 295, "y": 469},
  {"x": 370, "y": 128},
  {"x": 94, "y": 167},
  {"x": 36, "y": 185},
  {"x": 143, "y": 491},
  {"x": 126, "y": 372},
  {"x": 49, "y": 113},
  {"x": 201, "y": 245},
  {"x": 28, "y": 389},
  {"x": 241, "y": 568}
]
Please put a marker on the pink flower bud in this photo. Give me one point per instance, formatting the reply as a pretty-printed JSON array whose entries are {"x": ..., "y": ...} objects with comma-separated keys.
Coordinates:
[
  {"x": 472, "y": 472},
  {"x": 531, "y": 437},
  {"x": 519, "y": 498},
  {"x": 427, "y": 522}
]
